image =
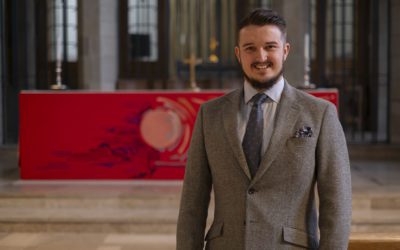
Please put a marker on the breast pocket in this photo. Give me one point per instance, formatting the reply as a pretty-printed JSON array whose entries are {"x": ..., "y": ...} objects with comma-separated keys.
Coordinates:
[
  {"x": 301, "y": 148},
  {"x": 308, "y": 142}
]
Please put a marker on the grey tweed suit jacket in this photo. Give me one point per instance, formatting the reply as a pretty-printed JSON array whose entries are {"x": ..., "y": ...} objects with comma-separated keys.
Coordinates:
[{"x": 277, "y": 208}]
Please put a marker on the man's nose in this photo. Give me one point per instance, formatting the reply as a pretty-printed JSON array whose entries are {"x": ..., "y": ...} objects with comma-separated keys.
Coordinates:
[{"x": 262, "y": 55}]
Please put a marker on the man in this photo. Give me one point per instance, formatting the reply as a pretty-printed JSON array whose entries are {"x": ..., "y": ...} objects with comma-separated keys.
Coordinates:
[{"x": 263, "y": 149}]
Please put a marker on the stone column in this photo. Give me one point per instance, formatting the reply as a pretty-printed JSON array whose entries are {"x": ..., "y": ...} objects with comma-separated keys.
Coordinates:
[
  {"x": 99, "y": 40},
  {"x": 395, "y": 74},
  {"x": 383, "y": 68},
  {"x": 296, "y": 14}
]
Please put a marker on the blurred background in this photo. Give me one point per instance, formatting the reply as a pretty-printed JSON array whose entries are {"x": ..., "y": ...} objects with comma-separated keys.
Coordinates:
[
  {"x": 144, "y": 44},
  {"x": 125, "y": 45}
]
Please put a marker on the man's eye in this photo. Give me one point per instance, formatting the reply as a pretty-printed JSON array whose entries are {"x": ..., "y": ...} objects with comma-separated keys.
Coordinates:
[
  {"x": 270, "y": 47},
  {"x": 249, "y": 48}
]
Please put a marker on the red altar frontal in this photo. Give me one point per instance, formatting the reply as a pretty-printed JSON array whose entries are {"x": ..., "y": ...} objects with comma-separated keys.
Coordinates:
[{"x": 110, "y": 135}]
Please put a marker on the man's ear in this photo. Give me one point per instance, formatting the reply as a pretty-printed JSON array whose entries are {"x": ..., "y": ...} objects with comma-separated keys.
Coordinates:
[
  {"x": 286, "y": 50},
  {"x": 237, "y": 53}
]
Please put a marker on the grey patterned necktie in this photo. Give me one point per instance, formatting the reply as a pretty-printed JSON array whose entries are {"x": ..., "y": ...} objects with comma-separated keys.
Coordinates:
[{"x": 252, "y": 141}]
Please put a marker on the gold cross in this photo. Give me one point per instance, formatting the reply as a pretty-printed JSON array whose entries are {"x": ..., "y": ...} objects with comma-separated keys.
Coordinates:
[{"x": 193, "y": 61}]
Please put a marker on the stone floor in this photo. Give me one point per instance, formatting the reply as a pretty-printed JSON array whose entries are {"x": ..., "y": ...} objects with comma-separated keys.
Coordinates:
[{"x": 122, "y": 215}]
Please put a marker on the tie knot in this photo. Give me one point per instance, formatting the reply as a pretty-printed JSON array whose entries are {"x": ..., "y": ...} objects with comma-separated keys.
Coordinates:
[{"x": 259, "y": 99}]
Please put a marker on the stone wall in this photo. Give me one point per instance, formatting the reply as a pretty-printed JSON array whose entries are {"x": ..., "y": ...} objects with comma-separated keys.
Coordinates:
[
  {"x": 296, "y": 14},
  {"x": 99, "y": 35}
]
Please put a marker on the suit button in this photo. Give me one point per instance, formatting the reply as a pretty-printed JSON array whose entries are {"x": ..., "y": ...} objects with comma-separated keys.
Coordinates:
[{"x": 251, "y": 191}]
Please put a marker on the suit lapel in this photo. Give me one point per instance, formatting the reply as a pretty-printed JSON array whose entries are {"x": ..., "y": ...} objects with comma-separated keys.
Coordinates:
[
  {"x": 230, "y": 112},
  {"x": 287, "y": 114}
]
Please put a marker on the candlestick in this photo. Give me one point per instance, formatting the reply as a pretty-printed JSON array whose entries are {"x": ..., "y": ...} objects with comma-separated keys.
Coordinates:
[
  {"x": 307, "y": 83},
  {"x": 58, "y": 64}
]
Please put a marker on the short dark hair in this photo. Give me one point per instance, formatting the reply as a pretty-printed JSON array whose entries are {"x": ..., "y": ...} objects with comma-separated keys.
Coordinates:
[{"x": 261, "y": 17}]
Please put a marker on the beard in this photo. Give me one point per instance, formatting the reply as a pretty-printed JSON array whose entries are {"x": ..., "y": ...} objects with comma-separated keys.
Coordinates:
[{"x": 259, "y": 85}]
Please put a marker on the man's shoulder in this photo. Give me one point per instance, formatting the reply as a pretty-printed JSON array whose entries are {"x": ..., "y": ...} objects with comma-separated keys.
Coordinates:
[
  {"x": 308, "y": 101},
  {"x": 230, "y": 96}
]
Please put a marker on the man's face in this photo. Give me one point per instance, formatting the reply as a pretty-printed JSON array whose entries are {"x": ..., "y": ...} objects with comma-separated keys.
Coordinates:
[{"x": 261, "y": 53}]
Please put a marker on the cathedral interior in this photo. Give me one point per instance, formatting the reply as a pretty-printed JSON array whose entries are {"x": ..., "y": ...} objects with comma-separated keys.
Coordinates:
[{"x": 158, "y": 49}]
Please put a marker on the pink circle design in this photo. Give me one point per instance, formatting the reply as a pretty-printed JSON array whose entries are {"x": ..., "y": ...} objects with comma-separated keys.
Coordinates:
[{"x": 161, "y": 129}]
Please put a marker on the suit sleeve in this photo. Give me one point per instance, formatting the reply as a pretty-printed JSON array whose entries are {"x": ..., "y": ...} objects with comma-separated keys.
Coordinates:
[
  {"x": 334, "y": 183},
  {"x": 195, "y": 193}
]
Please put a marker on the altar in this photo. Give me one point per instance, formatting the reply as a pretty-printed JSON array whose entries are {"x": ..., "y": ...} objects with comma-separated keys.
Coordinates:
[{"x": 110, "y": 135}]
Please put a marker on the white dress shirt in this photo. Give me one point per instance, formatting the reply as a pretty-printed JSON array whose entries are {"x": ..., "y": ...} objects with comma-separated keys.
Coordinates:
[{"x": 269, "y": 109}]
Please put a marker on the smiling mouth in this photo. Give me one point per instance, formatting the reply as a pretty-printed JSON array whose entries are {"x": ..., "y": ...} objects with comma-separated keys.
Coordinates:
[{"x": 261, "y": 65}]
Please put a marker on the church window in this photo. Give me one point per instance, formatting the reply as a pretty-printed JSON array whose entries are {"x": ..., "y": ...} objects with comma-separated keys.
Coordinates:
[
  {"x": 63, "y": 30},
  {"x": 143, "y": 29}
]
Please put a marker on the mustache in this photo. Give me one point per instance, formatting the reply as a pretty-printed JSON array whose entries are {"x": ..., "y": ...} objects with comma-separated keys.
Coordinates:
[{"x": 268, "y": 63}]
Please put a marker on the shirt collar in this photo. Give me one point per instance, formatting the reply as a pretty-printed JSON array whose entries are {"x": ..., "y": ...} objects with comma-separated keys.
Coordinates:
[{"x": 274, "y": 93}]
